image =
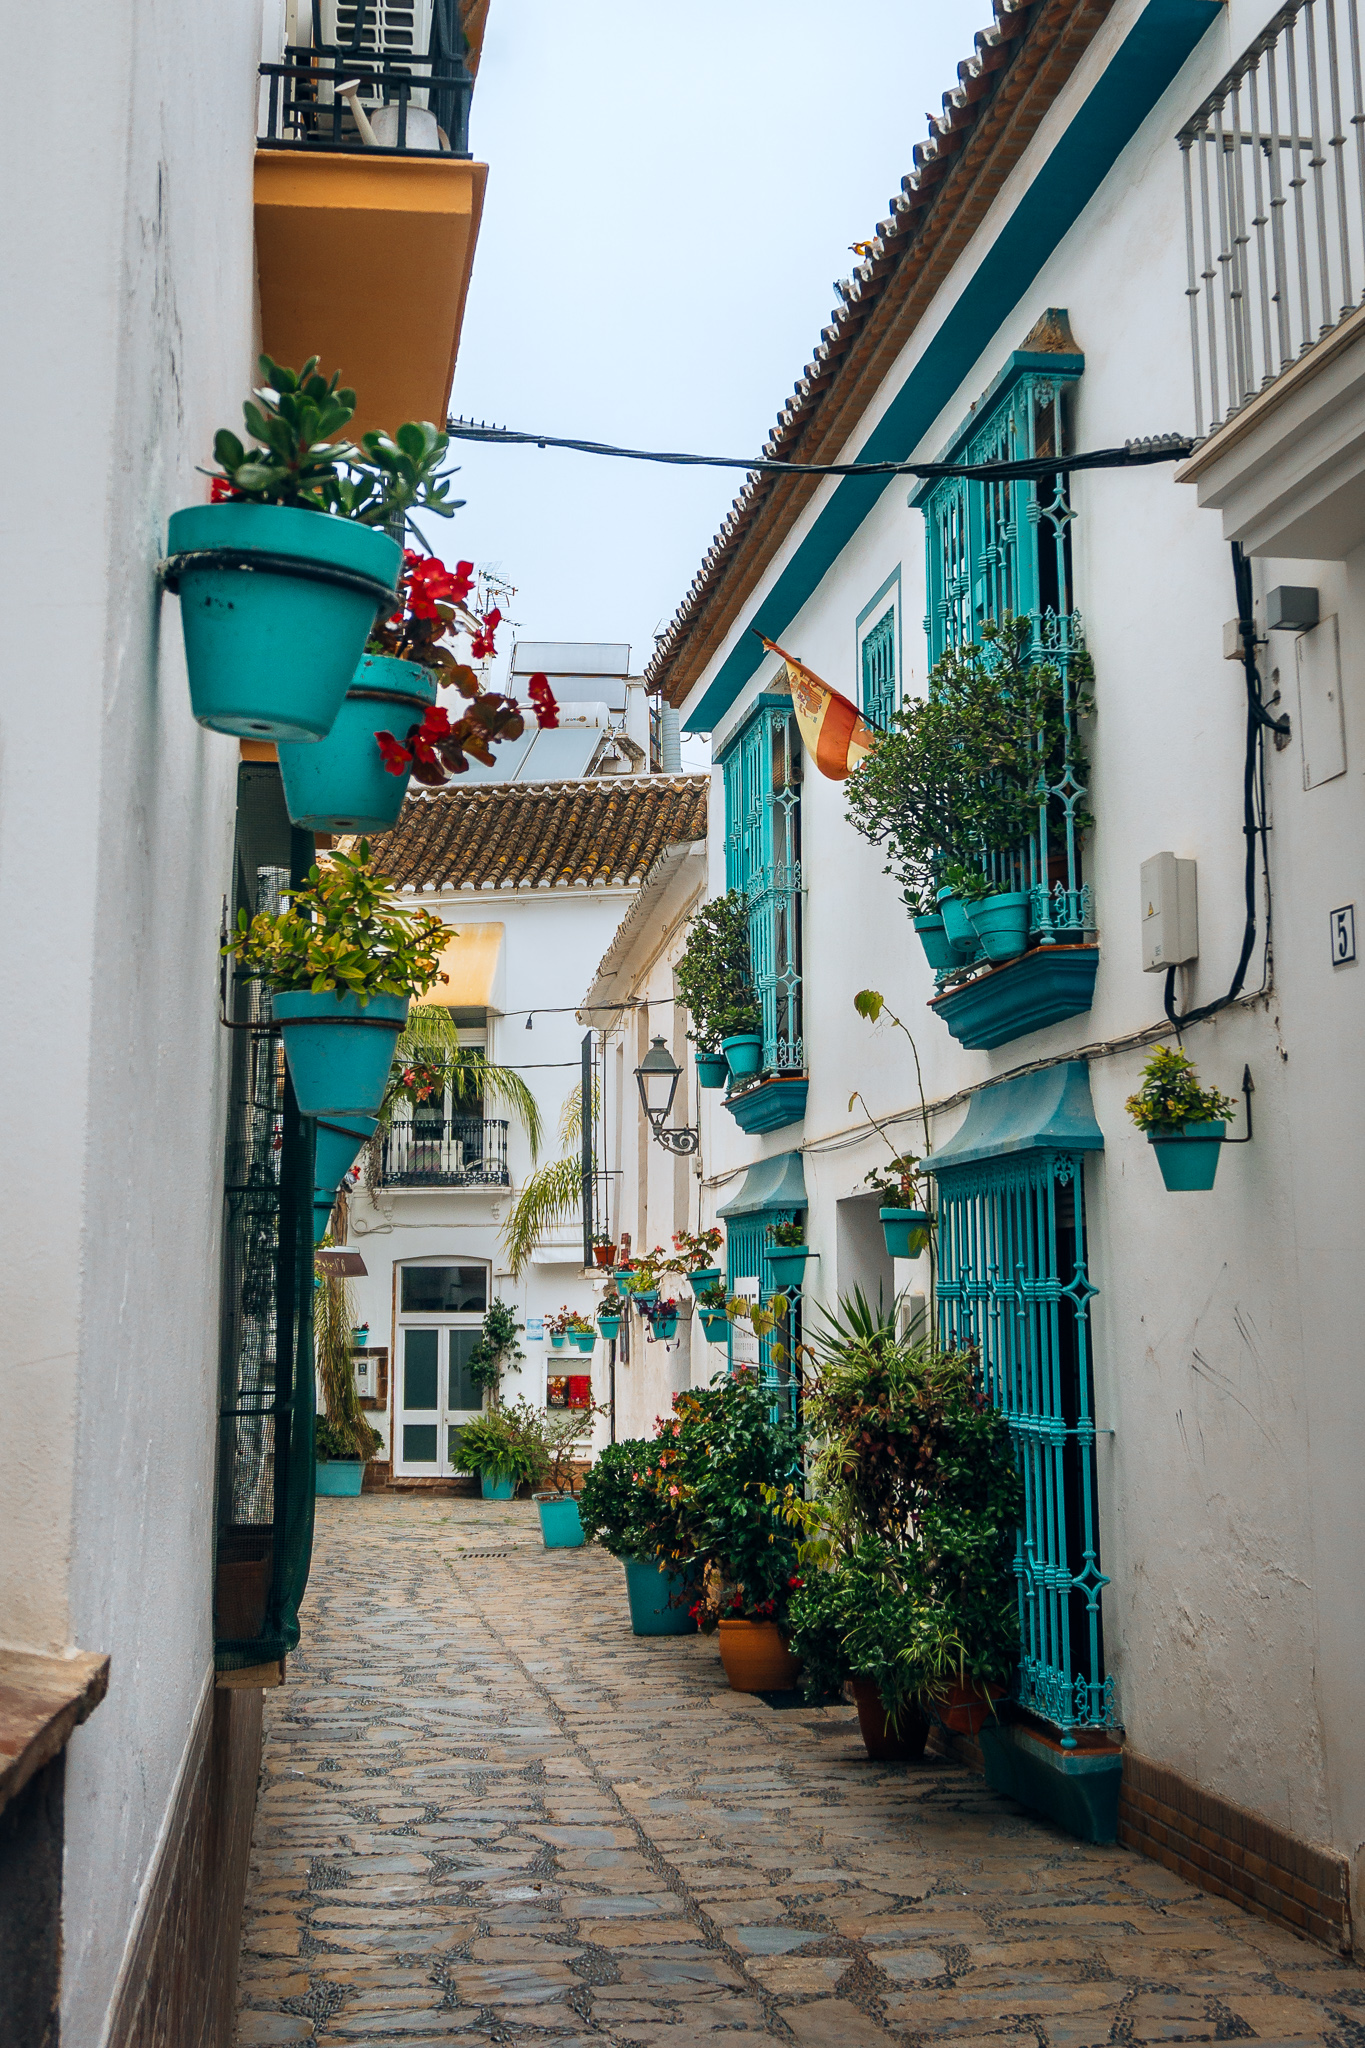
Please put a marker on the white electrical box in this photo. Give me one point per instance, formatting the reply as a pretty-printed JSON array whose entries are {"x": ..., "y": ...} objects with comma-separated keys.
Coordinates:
[
  {"x": 1170, "y": 913},
  {"x": 365, "y": 1366}
]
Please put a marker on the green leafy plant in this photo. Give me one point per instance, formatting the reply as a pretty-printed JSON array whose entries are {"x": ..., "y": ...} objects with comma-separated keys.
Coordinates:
[
  {"x": 342, "y": 933},
  {"x": 873, "y": 1615},
  {"x": 294, "y": 419},
  {"x": 787, "y": 1235},
  {"x": 1170, "y": 1096},
  {"x": 505, "y": 1443},
  {"x": 729, "y": 1448},
  {"x": 714, "y": 975},
  {"x": 962, "y": 772},
  {"x": 578, "y": 1325},
  {"x": 712, "y": 1301},
  {"x": 614, "y": 1509},
  {"x": 497, "y": 1348},
  {"x": 343, "y": 1431}
]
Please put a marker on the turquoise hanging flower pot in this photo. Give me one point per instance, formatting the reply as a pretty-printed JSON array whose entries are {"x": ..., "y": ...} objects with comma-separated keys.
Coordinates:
[
  {"x": 713, "y": 1069},
  {"x": 276, "y": 605},
  {"x": 339, "y": 1050},
  {"x": 1188, "y": 1155},
  {"x": 906, "y": 1231},
  {"x": 340, "y": 784},
  {"x": 939, "y": 950}
]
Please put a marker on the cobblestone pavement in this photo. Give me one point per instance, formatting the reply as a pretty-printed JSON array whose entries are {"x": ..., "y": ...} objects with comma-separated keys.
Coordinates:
[{"x": 490, "y": 1812}]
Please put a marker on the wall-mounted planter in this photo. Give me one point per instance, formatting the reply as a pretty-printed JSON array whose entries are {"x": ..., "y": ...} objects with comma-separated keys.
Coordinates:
[
  {"x": 583, "y": 1340},
  {"x": 644, "y": 1298},
  {"x": 339, "y": 1050},
  {"x": 743, "y": 1054},
  {"x": 906, "y": 1231},
  {"x": 713, "y": 1070},
  {"x": 340, "y": 784},
  {"x": 1001, "y": 924},
  {"x": 339, "y": 1140},
  {"x": 771, "y": 1105},
  {"x": 704, "y": 1277},
  {"x": 558, "y": 1341},
  {"x": 561, "y": 1526},
  {"x": 603, "y": 1254},
  {"x": 1188, "y": 1156},
  {"x": 715, "y": 1322},
  {"x": 276, "y": 606},
  {"x": 665, "y": 1326},
  {"x": 339, "y": 1476},
  {"x": 1046, "y": 985},
  {"x": 939, "y": 949},
  {"x": 497, "y": 1485},
  {"x": 610, "y": 1327},
  {"x": 787, "y": 1263}
]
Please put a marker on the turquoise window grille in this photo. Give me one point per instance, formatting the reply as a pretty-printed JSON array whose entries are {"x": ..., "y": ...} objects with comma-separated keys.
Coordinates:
[
  {"x": 746, "y": 1248},
  {"x": 762, "y": 768},
  {"x": 995, "y": 548},
  {"x": 879, "y": 670},
  {"x": 1013, "y": 1283}
]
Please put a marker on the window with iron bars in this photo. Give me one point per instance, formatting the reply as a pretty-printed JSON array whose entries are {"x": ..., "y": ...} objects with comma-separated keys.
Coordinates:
[
  {"x": 1013, "y": 1284},
  {"x": 997, "y": 548},
  {"x": 879, "y": 670},
  {"x": 762, "y": 768},
  {"x": 747, "y": 1243}
]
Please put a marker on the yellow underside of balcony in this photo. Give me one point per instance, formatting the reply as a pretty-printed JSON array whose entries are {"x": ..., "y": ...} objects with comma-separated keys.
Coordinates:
[{"x": 365, "y": 260}]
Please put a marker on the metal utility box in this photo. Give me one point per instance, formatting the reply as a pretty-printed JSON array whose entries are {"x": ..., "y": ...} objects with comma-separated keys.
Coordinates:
[{"x": 1170, "y": 913}]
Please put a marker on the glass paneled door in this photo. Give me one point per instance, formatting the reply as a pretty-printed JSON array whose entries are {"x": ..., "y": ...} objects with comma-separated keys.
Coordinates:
[{"x": 440, "y": 1312}]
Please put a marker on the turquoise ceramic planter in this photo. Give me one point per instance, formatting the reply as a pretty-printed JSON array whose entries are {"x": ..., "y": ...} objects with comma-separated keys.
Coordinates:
[
  {"x": 957, "y": 926},
  {"x": 648, "y": 1589},
  {"x": 1001, "y": 924},
  {"x": 939, "y": 950},
  {"x": 610, "y": 1326},
  {"x": 323, "y": 1206},
  {"x": 339, "y": 1476},
  {"x": 339, "y": 1140},
  {"x": 743, "y": 1054},
  {"x": 704, "y": 1277},
  {"x": 645, "y": 1298},
  {"x": 712, "y": 1069},
  {"x": 665, "y": 1326},
  {"x": 339, "y": 1051},
  {"x": 497, "y": 1486},
  {"x": 271, "y": 651},
  {"x": 340, "y": 784},
  {"x": 1188, "y": 1158},
  {"x": 787, "y": 1263},
  {"x": 583, "y": 1340},
  {"x": 715, "y": 1324},
  {"x": 906, "y": 1231},
  {"x": 560, "y": 1525},
  {"x": 558, "y": 1343}
]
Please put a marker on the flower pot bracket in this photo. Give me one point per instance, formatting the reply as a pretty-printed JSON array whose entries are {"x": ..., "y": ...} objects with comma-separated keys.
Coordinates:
[{"x": 173, "y": 567}]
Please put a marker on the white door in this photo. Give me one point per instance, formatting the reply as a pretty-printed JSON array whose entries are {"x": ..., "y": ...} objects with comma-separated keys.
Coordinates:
[{"x": 441, "y": 1307}]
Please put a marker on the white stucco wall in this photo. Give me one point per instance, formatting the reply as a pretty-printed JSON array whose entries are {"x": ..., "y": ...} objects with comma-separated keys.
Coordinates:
[
  {"x": 127, "y": 328},
  {"x": 1226, "y": 1358}
]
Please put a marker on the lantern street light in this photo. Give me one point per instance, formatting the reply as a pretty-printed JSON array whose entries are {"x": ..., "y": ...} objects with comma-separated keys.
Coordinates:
[{"x": 657, "y": 1078}]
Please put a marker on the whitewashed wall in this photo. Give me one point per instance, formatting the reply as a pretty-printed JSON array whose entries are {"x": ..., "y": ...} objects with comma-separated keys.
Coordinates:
[
  {"x": 1225, "y": 1330},
  {"x": 127, "y": 330}
]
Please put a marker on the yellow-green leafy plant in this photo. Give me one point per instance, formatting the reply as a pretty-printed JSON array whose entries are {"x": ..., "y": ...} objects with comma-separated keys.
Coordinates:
[{"x": 342, "y": 933}]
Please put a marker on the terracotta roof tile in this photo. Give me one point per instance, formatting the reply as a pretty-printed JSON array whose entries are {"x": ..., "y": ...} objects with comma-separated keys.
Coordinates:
[{"x": 525, "y": 835}]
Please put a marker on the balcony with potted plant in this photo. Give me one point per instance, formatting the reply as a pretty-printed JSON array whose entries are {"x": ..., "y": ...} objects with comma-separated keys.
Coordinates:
[{"x": 715, "y": 981}]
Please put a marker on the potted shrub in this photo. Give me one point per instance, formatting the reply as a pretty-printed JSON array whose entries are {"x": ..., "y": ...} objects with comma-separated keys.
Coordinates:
[
  {"x": 733, "y": 1449},
  {"x": 603, "y": 1250},
  {"x": 271, "y": 652},
  {"x": 1184, "y": 1122},
  {"x": 341, "y": 1457},
  {"x": 905, "y": 1218},
  {"x": 694, "y": 1258},
  {"x": 557, "y": 1329},
  {"x": 581, "y": 1332},
  {"x": 641, "y": 1283},
  {"x": 786, "y": 1252},
  {"x": 715, "y": 981},
  {"x": 628, "y": 1505},
  {"x": 714, "y": 1319},
  {"x": 552, "y": 1443},
  {"x": 341, "y": 962}
]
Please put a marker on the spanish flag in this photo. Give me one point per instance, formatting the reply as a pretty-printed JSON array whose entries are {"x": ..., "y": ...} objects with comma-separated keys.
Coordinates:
[{"x": 837, "y": 736}]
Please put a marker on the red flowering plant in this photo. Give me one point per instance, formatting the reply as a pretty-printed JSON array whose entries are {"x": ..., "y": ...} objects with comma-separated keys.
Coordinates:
[{"x": 438, "y": 604}]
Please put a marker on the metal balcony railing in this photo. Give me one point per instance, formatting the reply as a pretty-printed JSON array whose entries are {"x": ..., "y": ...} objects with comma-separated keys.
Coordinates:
[
  {"x": 457, "y": 1152},
  {"x": 325, "y": 97},
  {"x": 1274, "y": 168}
]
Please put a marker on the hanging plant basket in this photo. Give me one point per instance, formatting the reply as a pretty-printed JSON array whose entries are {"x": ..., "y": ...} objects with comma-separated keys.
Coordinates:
[
  {"x": 939, "y": 950},
  {"x": 339, "y": 1140},
  {"x": 1001, "y": 924},
  {"x": 339, "y": 1050},
  {"x": 743, "y": 1054},
  {"x": 704, "y": 1277},
  {"x": 1187, "y": 1155},
  {"x": 713, "y": 1069},
  {"x": 610, "y": 1327},
  {"x": 665, "y": 1326},
  {"x": 340, "y": 784},
  {"x": 645, "y": 1298},
  {"x": 906, "y": 1231},
  {"x": 715, "y": 1322},
  {"x": 276, "y": 605},
  {"x": 787, "y": 1263},
  {"x": 583, "y": 1340}
]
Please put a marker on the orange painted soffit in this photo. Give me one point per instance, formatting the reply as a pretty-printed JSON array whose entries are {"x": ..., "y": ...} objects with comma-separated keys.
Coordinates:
[{"x": 364, "y": 260}]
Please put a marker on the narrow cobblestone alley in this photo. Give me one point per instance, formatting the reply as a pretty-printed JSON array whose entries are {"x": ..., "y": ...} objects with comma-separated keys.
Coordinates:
[{"x": 488, "y": 1809}]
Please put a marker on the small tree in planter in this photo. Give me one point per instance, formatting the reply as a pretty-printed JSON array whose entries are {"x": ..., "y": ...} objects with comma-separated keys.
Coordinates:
[
  {"x": 715, "y": 981},
  {"x": 342, "y": 962},
  {"x": 1184, "y": 1122}
]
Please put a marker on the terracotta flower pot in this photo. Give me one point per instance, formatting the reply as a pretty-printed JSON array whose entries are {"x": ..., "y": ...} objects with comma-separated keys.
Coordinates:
[
  {"x": 756, "y": 1657},
  {"x": 885, "y": 1744},
  {"x": 966, "y": 1708}
]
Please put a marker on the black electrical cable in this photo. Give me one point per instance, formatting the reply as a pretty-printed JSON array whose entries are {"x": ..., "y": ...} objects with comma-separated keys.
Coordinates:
[
  {"x": 1253, "y": 776},
  {"x": 1133, "y": 455}
]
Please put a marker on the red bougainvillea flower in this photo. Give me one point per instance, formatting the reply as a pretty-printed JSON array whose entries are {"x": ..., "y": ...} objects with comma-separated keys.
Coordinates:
[
  {"x": 396, "y": 759},
  {"x": 542, "y": 698}
]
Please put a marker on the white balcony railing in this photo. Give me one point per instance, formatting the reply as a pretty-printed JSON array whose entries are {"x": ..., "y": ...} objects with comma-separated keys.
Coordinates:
[{"x": 1274, "y": 165}]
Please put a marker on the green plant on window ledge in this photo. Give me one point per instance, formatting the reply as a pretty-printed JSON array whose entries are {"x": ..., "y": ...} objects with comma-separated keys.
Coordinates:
[
  {"x": 1170, "y": 1096},
  {"x": 786, "y": 1236},
  {"x": 715, "y": 978}
]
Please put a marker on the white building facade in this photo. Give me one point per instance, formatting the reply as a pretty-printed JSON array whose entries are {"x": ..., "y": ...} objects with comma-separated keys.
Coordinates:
[{"x": 1181, "y": 1369}]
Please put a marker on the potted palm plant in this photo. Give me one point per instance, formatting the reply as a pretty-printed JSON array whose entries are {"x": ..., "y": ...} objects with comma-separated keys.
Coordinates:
[
  {"x": 715, "y": 982},
  {"x": 281, "y": 575},
  {"x": 1185, "y": 1124},
  {"x": 341, "y": 962}
]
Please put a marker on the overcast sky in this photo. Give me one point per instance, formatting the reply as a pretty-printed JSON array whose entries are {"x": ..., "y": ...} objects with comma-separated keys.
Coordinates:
[{"x": 672, "y": 190}]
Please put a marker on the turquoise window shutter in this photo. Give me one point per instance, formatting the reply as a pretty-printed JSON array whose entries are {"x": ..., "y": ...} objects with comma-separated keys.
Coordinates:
[
  {"x": 762, "y": 770},
  {"x": 879, "y": 670}
]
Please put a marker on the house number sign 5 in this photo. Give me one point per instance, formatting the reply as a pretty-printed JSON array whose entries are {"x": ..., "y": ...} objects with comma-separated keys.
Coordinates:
[{"x": 1343, "y": 923}]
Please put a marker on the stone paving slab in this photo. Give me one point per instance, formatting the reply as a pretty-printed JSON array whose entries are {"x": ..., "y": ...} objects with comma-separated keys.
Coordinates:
[{"x": 490, "y": 1813}]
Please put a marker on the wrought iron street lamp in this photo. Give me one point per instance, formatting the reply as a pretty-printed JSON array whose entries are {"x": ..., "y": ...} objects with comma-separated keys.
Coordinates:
[{"x": 657, "y": 1078}]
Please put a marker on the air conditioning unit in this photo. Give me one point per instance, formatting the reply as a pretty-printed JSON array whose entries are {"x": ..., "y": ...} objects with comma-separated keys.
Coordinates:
[{"x": 392, "y": 29}]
